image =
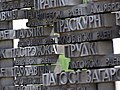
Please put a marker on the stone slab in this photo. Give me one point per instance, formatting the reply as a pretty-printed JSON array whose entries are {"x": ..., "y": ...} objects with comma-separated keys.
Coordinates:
[
  {"x": 89, "y": 48},
  {"x": 106, "y": 86},
  {"x": 84, "y": 23},
  {"x": 97, "y": 34},
  {"x": 16, "y": 4},
  {"x": 41, "y": 50},
  {"x": 107, "y": 6},
  {"x": 91, "y": 62},
  {"x": 24, "y": 61},
  {"x": 36, "y": 41},
  {"x": 104, "y": 75},
  {"x": 42, "y": 4}
]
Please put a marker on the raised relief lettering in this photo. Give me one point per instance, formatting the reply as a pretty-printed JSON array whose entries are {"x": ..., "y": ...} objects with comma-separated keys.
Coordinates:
[
  {"x": 84, "y": 36},
  {"x": 28, "y": 33},
  {"x": 117, "y": 18},
  {"x": 11, "y": 15},
  {"x": 85, "y": 76},
  {"x": 32, "y": 32},
  {"x": 30, "y": 87},
  {"x": 30, "y": 51},
  {"x": 79, "y": 23},
  {"x": 43, "y": 15},
  {"x": 82, "y": 49},
  {"x": 43, "y": 4},
  {"x": 13, "y": 5},
  {"x": 92, "y": 8},
  {"x": 97, "y": 61},
  {"x": 102, "y": 7},
  {"x": 30, "y": 71},
  {"x": 35, "y": 60},
  {"x": 36, "y": 41},
  {"x": 29, "y": 80},
  {"x": 87, "y": 49}
]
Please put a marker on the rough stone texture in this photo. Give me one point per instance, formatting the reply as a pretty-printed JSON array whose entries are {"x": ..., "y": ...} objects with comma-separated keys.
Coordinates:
[
  {"x": 106, "y": 86},
  {"x": 6, "y": 62}
]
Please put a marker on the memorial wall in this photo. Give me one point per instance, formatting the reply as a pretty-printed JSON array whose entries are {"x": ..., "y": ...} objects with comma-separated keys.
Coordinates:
[{"x": 79, "y": 31}]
